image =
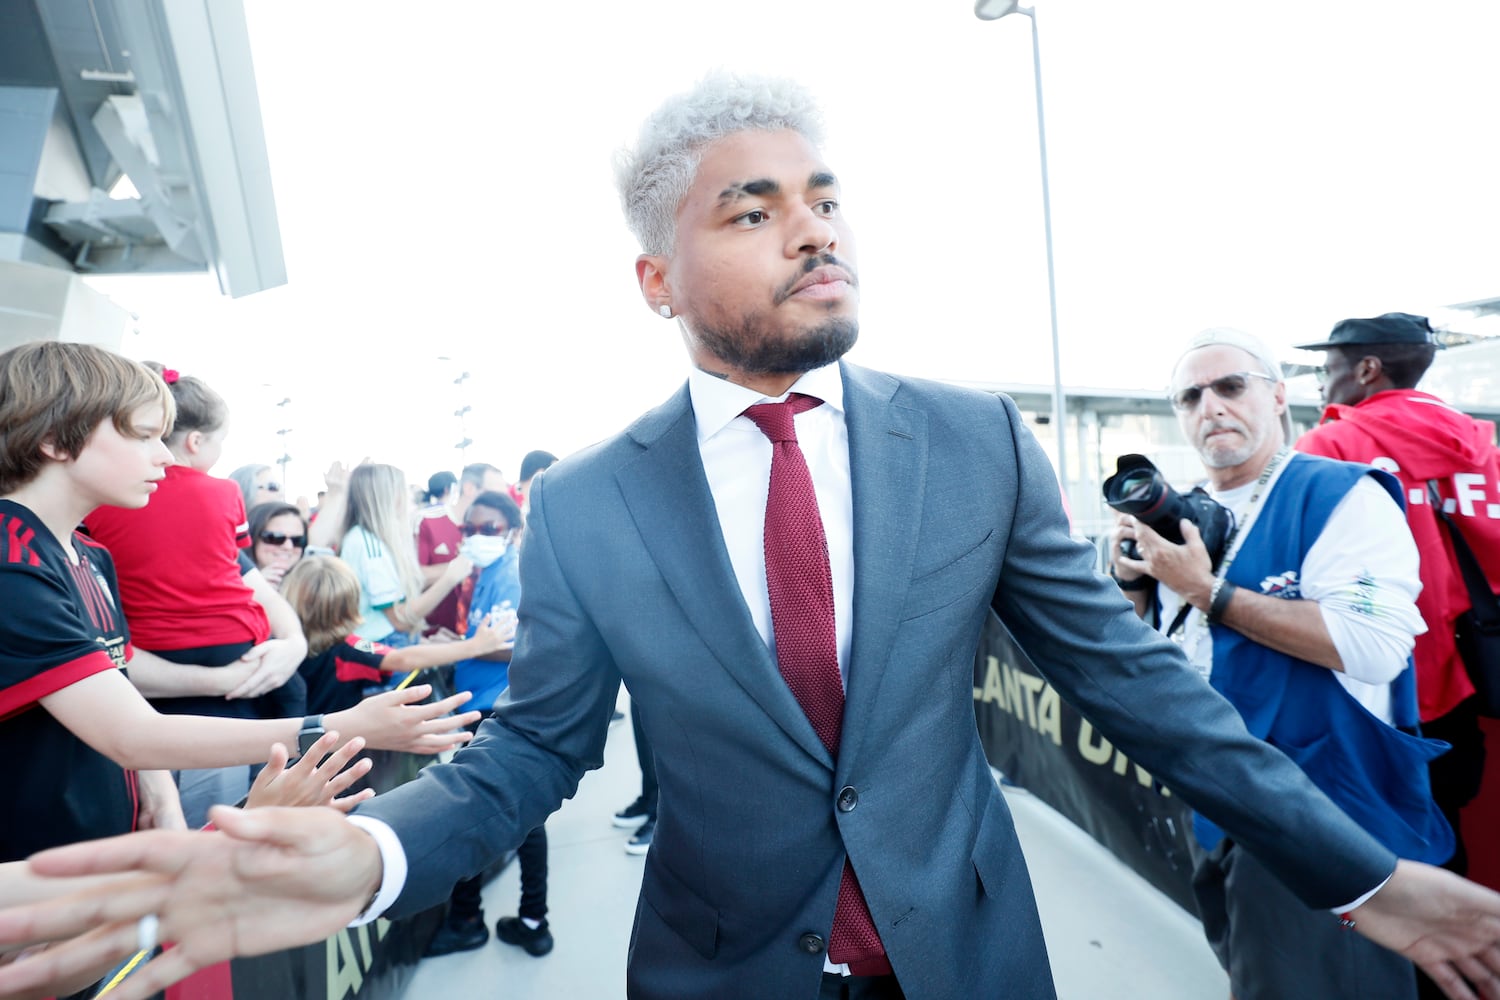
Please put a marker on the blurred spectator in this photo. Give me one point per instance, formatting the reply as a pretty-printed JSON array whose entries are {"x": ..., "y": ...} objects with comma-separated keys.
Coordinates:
[
  {"x": 533, "y": 465},
  {"x": 492, "y": 533},
  {"x": 377, "y": 544},
  {"x": 278, "y": 538},
  {"x": 258, "y": 484},
  {"x": 1376, "y": 415},
  {"x": 439, "y": 535},
  {"x": 325, "y": 594},
  {"x": 440, "y": 487}
]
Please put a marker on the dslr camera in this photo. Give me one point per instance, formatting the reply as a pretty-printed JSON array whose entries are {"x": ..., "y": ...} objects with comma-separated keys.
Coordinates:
[{"x": 1137, "y": 488}]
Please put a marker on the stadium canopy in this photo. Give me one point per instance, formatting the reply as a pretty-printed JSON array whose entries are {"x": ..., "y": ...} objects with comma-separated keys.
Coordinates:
[{"x": 131, "y": 142}]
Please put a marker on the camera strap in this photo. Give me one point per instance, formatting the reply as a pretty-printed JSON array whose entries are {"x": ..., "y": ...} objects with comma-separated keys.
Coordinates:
[{"x": 1243, "y": 522}]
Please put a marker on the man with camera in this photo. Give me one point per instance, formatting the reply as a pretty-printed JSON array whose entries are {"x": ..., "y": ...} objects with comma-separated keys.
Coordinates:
[
  {"x": 1375, "y": 414},
  {"x": 1301, "y": 612}
]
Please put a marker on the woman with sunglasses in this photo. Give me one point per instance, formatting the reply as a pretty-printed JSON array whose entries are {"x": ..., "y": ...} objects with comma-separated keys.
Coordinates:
[
  {"x": 232, "y": 645},
  {"x": 278, "y": 539}
]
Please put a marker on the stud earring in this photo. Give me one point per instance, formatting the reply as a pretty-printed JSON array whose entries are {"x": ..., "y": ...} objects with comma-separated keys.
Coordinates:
[{"x": 665, "y": 310}]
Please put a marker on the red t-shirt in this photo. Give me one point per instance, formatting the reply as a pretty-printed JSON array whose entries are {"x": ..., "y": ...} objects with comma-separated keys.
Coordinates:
[
  {"x": 438, "y": 539},
  {"x": 178, "y": 563}
]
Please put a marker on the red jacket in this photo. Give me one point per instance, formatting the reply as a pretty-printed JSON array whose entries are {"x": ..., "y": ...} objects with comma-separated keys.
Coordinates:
[{"x": 1418, "y": 437}]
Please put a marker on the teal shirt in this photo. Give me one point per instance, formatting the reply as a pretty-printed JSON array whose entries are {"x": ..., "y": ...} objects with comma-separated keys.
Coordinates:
[{"x": 380, "y": 584}]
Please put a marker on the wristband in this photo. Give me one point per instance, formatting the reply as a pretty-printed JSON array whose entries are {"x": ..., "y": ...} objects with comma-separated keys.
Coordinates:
[
  {"x": 1219, "y": 599},
  {"x": 1139, "y": 583},
  {"x": 311, "y": 732}
]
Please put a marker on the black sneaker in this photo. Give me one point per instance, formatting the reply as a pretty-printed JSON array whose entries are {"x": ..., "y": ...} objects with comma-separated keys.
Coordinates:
[
  {"x": 616, "y": 717},
  {"x": 632, "y": 815},
  {"x": 513, "y": 930},
  {"x": 458, "y": 935},
  {"x": 640, "y": 843}
]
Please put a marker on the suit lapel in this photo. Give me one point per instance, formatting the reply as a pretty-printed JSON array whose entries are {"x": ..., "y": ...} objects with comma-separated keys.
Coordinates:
[
  {"x": 888, "y": 475},
  {"x": 667, "y": 494}
]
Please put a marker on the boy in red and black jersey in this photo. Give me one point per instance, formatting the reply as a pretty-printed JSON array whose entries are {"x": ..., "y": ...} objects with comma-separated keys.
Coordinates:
[
  {"x": 70, "y": 629},
  {"x": 88, "y": 756}
]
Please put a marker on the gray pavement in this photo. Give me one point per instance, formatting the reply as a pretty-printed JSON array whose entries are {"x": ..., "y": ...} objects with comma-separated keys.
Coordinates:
[{"x": 1110, "y": 934}]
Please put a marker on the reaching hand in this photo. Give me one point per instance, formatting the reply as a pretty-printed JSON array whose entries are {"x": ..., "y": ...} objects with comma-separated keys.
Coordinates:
[
  {"x": 1447, "y": 925},
  {"x": 496, "y": 632},
  {"x": 313, "y": 780},
  {"x": 266, "y": 880},
  {"x": 395, "y": 721},
  {"x": 336, "y": 478},
  {"x": 276, "y": 660}
]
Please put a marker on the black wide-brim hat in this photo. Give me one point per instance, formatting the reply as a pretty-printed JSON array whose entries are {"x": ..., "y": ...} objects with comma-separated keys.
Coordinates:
[{"x": 1391, "y": 328}]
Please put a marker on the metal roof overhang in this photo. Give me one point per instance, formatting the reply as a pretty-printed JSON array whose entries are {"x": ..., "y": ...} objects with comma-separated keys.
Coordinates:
[{"x": 162, "y": 92}]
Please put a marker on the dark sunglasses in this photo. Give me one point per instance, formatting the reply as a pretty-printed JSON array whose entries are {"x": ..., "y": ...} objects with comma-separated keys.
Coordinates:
[
  {"x": 271, "y": 487},
  {"x": 277, "y": 539},
  {"x": 470, "y": 530},
  {"x": 1231, "y": 386}
]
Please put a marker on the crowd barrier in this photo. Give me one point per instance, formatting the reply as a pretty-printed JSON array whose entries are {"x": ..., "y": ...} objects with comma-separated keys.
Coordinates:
[{"x": 1039, "y": 742}]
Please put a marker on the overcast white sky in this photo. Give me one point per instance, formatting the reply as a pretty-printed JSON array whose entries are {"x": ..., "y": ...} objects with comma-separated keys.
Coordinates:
[{"x": 442, "y": 176}]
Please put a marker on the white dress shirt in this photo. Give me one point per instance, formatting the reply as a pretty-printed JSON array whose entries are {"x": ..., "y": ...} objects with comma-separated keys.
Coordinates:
[{"x": 737, "y": 461}]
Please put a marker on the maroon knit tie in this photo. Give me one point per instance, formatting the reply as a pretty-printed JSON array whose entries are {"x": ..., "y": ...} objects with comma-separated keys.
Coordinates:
[{"x": 800, "y": 583}]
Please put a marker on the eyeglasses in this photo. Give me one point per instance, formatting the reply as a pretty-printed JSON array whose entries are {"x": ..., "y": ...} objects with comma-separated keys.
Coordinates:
[
  {"x": 277, "y": 539},
  {"x": 470, "y": 530},
  {"x": 271, "y": 487},
  {"x": 1231, "y": 386}
]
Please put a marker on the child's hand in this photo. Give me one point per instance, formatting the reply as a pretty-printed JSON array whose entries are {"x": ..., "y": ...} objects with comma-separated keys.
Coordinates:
[
  {"x": 396, "y": 720},
  {"x": 312, "y": 781},
  {"x": 496, "y": 632}
]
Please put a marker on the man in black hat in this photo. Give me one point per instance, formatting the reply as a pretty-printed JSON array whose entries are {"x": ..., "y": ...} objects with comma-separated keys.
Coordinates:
[{"x": 1375, "y": 414}]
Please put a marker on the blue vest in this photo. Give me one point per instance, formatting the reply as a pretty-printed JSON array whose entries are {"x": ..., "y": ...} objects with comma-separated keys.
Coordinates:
[{"x": 1375, "y": 773}]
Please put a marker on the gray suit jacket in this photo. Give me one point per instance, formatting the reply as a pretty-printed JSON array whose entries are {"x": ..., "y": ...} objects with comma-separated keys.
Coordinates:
[{"x": 956, "y": 510}]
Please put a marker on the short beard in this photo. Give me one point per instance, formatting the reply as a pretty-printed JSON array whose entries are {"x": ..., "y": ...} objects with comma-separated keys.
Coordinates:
[
  {"x": 754, "y": 350},
  {"x": 1223, "y": 457}
]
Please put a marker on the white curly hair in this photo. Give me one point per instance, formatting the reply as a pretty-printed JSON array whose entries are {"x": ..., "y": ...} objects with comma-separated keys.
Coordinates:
[{"x": 654, "y": 176}]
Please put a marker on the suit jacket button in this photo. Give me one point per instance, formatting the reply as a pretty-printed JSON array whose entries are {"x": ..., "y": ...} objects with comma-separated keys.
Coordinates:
[
  {"x": 811, "y": 943},
  {"x": 848, "y": 799}
]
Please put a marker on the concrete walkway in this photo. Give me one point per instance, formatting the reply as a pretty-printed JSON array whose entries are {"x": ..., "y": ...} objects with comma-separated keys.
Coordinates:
[{"x": 1110, "y": 934}]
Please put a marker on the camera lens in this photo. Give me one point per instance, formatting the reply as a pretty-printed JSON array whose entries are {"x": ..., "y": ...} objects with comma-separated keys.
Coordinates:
[{"x": 1134, "y": 485}]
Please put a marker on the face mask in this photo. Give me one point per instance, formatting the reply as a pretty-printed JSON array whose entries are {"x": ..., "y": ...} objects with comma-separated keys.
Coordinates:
[{"x": 482, "y": 550}]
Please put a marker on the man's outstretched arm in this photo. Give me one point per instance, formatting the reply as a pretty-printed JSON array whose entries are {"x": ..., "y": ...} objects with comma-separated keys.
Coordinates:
[{"x": 268, "y": 880}]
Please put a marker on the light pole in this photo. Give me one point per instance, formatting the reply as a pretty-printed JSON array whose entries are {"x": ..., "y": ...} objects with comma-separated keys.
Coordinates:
[{"x": 993, "y": 10}]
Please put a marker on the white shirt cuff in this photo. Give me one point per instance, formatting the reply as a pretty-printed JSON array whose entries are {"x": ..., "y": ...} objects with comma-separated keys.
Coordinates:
[
  {"x": 1338, "y": 911},
  {"x": 393, "y": 867}
]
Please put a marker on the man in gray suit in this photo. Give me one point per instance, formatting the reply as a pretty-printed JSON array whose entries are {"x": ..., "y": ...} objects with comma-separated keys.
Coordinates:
[{"x": 837, "y": 832}]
